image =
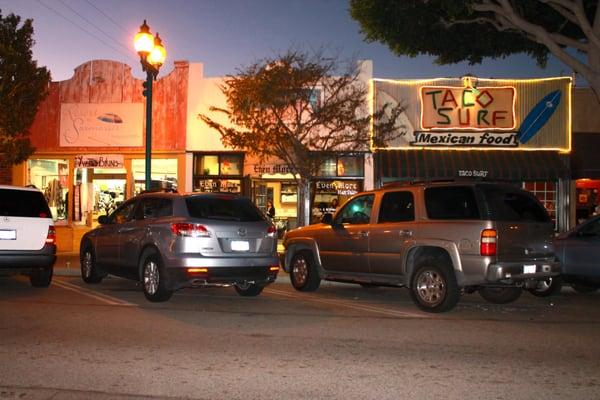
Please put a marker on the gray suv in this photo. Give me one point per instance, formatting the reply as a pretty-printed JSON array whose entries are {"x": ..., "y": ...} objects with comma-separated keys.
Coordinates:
[
  {"x": 169, "y": 241},
  {"x": 438, "y": 239}
]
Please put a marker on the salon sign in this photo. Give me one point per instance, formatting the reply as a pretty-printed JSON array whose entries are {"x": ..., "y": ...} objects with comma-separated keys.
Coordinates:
[{"x": 108, "y": 161}]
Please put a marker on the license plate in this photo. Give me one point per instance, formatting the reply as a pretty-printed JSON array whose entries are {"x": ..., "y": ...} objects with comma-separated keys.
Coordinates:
[
  {"x": 529, "y": 269},
  {"x": 8, "y": 234},
  {"x": 240, "y": 245}
]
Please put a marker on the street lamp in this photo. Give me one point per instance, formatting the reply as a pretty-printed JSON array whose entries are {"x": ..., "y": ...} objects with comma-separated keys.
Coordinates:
[{"x": 152, "y": 56}]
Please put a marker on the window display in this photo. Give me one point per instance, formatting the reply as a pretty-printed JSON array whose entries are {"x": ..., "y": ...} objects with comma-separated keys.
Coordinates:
[
  {"x": 163, "y": 174},
  {"x": 52, "y": 178}
]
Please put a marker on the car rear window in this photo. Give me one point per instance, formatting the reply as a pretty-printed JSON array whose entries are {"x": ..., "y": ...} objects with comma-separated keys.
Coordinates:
[
  {"x": 23, "y": 203},
  {"x": 226, "y": 208},
  {"x": 451, "y": 202},
  {"x": 507, "y": 204}
]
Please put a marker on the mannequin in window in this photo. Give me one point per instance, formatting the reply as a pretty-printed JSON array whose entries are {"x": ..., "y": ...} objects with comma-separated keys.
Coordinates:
[{"x": 270, "y": 209}]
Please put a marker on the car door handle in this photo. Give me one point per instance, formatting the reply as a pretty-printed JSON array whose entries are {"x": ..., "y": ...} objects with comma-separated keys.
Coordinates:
[
  {"x": 362, "y": 234},
  {"x": 405, "y": 232}
]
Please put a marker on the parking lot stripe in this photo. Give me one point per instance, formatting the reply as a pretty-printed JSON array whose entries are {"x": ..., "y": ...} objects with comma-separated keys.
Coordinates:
[
  {"x": 98, "y": 296},
  {"x": 342, "y": 303}
]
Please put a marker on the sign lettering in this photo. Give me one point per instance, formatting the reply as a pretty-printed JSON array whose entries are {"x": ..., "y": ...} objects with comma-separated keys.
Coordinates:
[{"x": 489, "y": 108}]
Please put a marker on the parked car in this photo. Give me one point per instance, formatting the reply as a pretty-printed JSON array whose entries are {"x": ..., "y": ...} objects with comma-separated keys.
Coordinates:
[
  {"x": 438, "y": 239},
  {"x": 579, "y": 251},
  {"x": 27, "y": 235},
  {"x": 169, "y": 241}
]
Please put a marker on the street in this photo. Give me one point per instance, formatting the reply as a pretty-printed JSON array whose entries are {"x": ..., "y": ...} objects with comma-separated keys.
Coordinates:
[{"x": 106, "y": 341}]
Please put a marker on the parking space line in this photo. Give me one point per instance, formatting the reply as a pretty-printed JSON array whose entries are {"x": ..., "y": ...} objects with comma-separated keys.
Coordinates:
[
  {"x": 98, "y": 296},
  {"x": 342, "y": 303}
]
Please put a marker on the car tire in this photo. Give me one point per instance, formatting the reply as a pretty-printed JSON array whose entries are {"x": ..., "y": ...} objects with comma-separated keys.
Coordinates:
[
  {"x": 41, "y": 278},
  {"x": 583, "y": 288},
  {"x": 153, "y": 279},
  {"x": 248, "y": 289},
  {"x": 89, "y": 270},
  {"x": 500, "y": 295},
  {"x": 433, "y": 287},
  {"x": 303, "y": 272},
  {"x": 547, "y": 287}
]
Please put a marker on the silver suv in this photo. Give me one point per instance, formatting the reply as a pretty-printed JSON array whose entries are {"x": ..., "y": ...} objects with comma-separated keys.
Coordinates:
[
  {"x": 27, "y": 235},
  {"x": 437, "y": 239},
  {"x": 169, "y": 241}
]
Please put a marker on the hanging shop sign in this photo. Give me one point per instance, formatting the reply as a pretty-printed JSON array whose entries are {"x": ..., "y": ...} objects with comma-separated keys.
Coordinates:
[
  {"x": 341, "y": 188},
  {"x": 109, "y": 161},
  {"x": 479, "y": 113},
  {"x": 101, "y": 125},
  {"x": 218, "y": 185}
]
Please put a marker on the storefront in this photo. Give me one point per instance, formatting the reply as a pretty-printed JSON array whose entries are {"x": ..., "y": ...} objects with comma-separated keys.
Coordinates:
[
  {"x": 89, "y": 140},
  {"x": 516, "y": 131}
]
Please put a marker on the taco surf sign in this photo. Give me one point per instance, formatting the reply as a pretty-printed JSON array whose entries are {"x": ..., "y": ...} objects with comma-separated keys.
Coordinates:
[{"x": 528, "y": 114}]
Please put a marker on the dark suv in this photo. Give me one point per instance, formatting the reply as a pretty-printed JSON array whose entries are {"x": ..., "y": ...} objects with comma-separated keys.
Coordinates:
[
  {"x": 169, "y": 241},
  {"x": 27, "y": 235},
  {"x": 437, "y": 239}
]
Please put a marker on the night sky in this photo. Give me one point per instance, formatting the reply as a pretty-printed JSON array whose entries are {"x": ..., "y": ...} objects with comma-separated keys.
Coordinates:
[{"x": 226, "y": 35}]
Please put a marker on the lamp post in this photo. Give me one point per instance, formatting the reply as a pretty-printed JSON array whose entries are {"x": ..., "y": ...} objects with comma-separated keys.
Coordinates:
[{"x": 152, "y": 56}]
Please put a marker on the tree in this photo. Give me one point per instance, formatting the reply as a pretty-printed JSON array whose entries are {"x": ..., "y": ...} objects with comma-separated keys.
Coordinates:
[
  {"x": 470, "y": 30},
  {"x": 300, "y": 107},
  {"x": 23, "y": 86}
]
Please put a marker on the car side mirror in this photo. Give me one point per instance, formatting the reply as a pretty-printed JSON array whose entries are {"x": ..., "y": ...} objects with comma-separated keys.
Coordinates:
[
  {"x": 103, "y": 220},
  {"x": 327, "y": 218}
]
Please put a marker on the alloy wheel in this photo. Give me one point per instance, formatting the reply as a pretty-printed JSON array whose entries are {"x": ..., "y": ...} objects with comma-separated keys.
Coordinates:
[
  {"x": 151, "y": 277},
  {"x": 431, "y": 287},
  {"x": 300, "y": 270},
  {"x": 87, "y": 264}
]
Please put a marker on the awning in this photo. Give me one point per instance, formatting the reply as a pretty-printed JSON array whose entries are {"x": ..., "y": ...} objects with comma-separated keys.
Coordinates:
[
  {"x": 434, "y": 165},
  {"x": 584, "y": 156}
]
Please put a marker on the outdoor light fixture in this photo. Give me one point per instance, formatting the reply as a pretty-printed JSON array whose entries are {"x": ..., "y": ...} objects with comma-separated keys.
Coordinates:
[{"x": 152, "y": 56}]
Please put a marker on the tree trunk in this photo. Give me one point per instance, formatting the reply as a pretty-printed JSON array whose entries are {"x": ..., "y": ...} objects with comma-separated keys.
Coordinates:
[{"x": 303, "y": 201}]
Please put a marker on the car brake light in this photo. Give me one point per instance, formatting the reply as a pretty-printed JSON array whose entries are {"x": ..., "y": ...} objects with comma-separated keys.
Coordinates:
[
  {"x": 489, "y": 238},
  {"x": 189, "y": 230},
  {"x": 51, "y": 237},
  {"x": 274, "y": 268},
  {"x": 271, "y": 231}
]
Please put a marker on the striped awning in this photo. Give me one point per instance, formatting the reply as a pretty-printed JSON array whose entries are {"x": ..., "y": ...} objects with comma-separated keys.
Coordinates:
[{"x": 434, "y": 165}]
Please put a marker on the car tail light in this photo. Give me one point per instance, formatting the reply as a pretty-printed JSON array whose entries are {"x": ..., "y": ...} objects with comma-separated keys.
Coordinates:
[
  {"x": 51, "y": 237},
  {"x": 189, "y": 230},
  {"x": 271, "y": 231},
  {"x": 489, "y": 238}
]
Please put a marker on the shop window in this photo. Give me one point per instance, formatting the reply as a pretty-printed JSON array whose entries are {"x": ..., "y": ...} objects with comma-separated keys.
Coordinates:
[
  {"x": 289, "y": 193},
  {"x": 52, "y": 178},
  {"x": 342, "y": 166},
  {"x": 217, "y": 172},
  {"x": 163, "y": 174},
  {"x": 546, "y": 194},
  {"x": 220, "y": 164}
]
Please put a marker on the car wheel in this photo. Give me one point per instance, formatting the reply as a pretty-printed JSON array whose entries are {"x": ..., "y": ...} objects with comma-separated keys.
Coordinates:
[
  {"x": 547, "y": 287},
  {"x": 89, "y": 271},
  {"x": 434, "y": 288},
  {"x": 248, "y": 289},
  {"x": 303, "y": 272},
  {"x": 41, "y": 277},
  {"x": 500, "y": 295},
  {"x": 153, "y": 279},
  {"x": 583, "y": 288}
]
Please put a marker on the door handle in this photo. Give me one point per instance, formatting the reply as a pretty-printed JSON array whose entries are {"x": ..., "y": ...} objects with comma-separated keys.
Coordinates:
[
  {"x": 362, "y": 234},
  {"x": 405, "y": 232}
]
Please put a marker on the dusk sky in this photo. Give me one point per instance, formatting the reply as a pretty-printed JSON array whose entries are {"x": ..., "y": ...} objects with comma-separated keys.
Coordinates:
[{"x": 225, "y": 35}]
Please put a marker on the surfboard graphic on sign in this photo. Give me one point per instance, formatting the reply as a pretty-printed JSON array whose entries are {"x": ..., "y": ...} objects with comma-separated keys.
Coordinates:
[{"x": 538, "y": 116}]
